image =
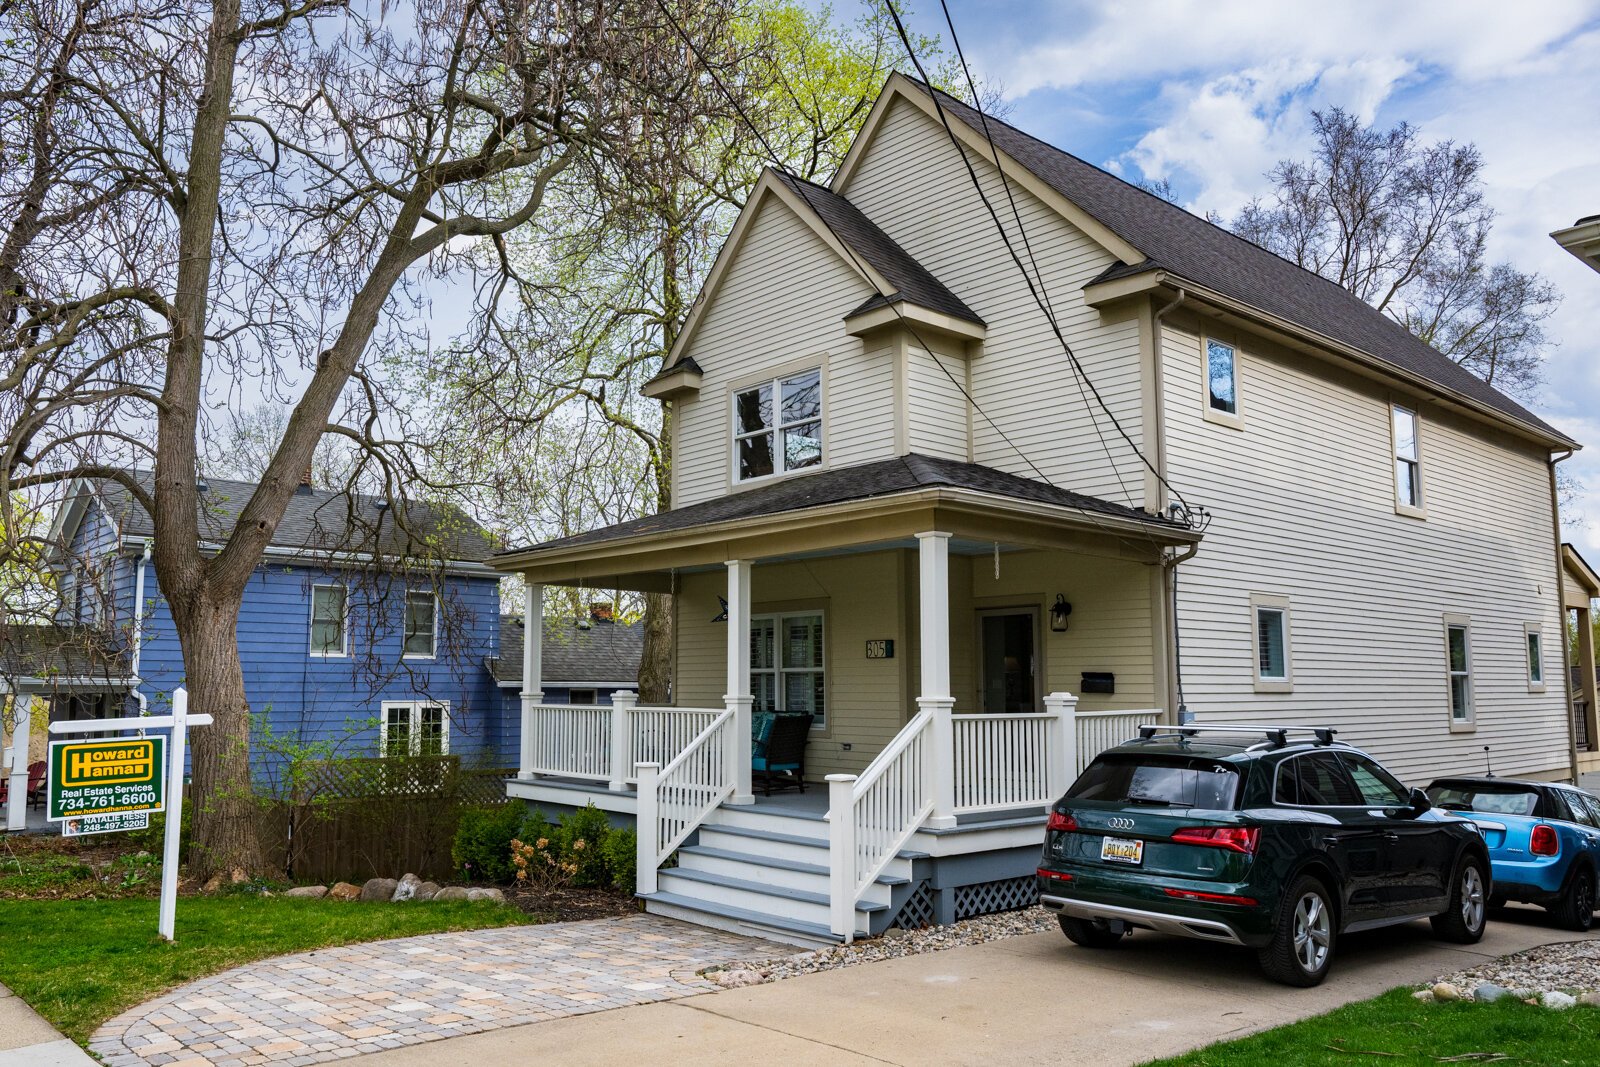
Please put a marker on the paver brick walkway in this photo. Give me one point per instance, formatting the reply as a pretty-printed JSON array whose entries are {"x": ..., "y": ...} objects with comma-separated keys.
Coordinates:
[{"x": 314, "y": 1007}]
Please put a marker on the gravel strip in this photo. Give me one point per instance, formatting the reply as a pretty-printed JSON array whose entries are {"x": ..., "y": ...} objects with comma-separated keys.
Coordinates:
[
  {"x": 892, "y": 945},
  {"x": 1572, "y": 967}
]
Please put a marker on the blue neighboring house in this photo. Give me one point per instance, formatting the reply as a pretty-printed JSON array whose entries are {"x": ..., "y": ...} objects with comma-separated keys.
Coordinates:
[
  {"x": 380, "y": 658},
  {"x": 584, "y": 661}
]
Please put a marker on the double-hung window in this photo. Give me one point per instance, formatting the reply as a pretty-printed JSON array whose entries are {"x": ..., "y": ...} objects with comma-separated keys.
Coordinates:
[
  {"x": 777, "y": 426},
  {"x": 1222, "y": 381},
  {"x": 1407, "y": 461},
  {"x": 786, "y": 664},
  {"x": 1270, "y": 639},
  {"x": 422, "y": 615},
  {"x": 414, "y": 728},
  {"x": 329, "y": 630},
  {"x": 1458, "y": 667}
]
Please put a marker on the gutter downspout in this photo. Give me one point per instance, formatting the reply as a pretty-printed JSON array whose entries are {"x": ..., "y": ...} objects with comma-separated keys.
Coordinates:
[
  {"x": 1561, "y": 611},
  {"x": 1169, "y": 564},
  {"x": 138, "y": 632}
]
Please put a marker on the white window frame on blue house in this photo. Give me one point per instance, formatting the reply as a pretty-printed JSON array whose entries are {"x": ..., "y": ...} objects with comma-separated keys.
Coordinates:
[
  {"x": 406, "y": 633},
  {"x": 344, "y": 622},
  {"x": 413, "y": 710}
]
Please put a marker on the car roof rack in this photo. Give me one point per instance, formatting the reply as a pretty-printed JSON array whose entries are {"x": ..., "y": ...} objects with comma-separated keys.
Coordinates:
[{"x": 1277, "y": 736}]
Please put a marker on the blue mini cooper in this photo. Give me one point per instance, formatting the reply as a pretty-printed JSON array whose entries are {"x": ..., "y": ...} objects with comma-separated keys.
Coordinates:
[{"x": 1543, "y": 838}]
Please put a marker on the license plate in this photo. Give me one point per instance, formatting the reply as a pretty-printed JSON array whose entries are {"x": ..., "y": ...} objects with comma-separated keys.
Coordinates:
[{"x": 1122, "y": 850}]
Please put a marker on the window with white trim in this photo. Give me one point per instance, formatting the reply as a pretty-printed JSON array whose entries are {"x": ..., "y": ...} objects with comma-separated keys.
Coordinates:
[
  {"x": 1222, "y": 377},
  {"x": 414, "y": 728},
  {"x": 421, "y": 621},
  {"x": 1269, "y": 616},
  {"x": 1407, "y": 458},
  {"x": 329, "y": 632},
  {"x": 1533, "y": 641},
  {"x": 777, "y": 426},
  {"x": 1458, "y": 667},
  {"x": 583, "y": 696},
  {"x": 786, "y": 664}
]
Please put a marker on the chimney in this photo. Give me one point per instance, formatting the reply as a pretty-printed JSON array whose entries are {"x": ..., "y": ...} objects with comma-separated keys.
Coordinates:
[
  {"x": 600, "y": 611},
  {"x": 305, "y": 480}
]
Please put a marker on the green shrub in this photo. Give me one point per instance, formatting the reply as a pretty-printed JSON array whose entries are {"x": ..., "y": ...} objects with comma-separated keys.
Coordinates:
[
  {"x": 535, "y": 827},
  {"x": 622, "y": 857},
  {"x": 583, "y": 849},
  {"x": 481, "y": 850},
  {"x": 582, "y": 838}
]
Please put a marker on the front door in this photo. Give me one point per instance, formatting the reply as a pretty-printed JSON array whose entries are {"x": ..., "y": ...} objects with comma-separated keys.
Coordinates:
[{"x": 1008, "y": 660}]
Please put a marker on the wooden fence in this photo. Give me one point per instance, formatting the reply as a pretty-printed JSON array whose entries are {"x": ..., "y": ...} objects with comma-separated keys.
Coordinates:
[{"x": 378, "y": 818}]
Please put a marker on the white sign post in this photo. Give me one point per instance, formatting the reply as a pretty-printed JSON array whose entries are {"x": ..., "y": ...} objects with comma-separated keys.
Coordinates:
[{"x": 179, "y": 721}]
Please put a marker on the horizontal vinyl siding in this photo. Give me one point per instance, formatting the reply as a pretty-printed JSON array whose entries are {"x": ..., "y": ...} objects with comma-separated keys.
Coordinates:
[
  {"x": 936, "y": 408},
  {"x": 781, "y": 304},
  {"x": 911, "y": 183},
  {"x": 1302, "y": 500}
]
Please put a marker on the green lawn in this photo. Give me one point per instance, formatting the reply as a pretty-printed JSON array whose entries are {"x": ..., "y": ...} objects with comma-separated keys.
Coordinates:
[
  {"x": 1395, "y": 1029},
  {"x": 79, "y": 962}
]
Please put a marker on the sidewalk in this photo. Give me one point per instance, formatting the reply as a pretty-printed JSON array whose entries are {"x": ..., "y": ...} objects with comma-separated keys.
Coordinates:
[
  {"x": 1026, "y": 999},
  {"x": 26, "y": 1040}
]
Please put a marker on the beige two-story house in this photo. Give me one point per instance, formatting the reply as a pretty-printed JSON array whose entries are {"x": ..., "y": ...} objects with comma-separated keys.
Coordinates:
[{"x": 975, "y": 543}]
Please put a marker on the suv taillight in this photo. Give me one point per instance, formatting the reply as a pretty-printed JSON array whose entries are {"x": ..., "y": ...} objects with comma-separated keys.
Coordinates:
[
  {"x": 1232, "y": 838},
  {"x": 1544, "y": 841},
  {"x": 1061, "y": 822}
]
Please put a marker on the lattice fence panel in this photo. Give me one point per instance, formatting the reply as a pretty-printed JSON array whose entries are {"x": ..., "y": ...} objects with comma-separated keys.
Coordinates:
[
  {"x": 986, "y": 898},
  {"x": 917, "y": 911}
]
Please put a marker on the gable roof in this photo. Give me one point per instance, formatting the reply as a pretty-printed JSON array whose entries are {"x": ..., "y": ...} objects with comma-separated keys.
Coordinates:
[
  {"x": 911, "y": 281},
  {"x": 314, "y": 521},
  {"x": 838, "y": 485},
  {"x": 1173, "y": 240},
  {"x": 570, "y": 653}
]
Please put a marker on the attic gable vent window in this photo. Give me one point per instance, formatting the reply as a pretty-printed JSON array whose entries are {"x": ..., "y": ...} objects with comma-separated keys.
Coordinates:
[{"x": 777, "y": 426}]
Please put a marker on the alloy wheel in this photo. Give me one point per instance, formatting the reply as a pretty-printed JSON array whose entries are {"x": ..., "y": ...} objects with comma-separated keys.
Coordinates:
[
  {"x": 1473, "y": 904},
  {"x": 1312, "y": 932}
]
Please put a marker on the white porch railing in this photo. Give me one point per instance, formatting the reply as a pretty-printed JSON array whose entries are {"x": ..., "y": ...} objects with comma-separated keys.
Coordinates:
[
  {"x": 657, "y": 735},
  {"x": 871, "y": 817},
  {"x": 566, "y": 740},
  {"x": 675, "y": 799},
  {"x": 1004, "y": 761},
  {"x": 1100, "y": 730}
]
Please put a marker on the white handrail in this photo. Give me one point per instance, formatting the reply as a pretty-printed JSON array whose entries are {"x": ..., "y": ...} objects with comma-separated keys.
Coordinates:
[
  {"x": 674, "y": 800},
  {"x": 658, "y": 735},
  {"x": 872, "y": 816}
]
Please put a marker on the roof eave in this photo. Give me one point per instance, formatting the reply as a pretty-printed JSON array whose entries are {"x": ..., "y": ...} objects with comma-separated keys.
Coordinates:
[
  {"x": 901, "y": 312},
  {"x": 1583, "y": 241}
]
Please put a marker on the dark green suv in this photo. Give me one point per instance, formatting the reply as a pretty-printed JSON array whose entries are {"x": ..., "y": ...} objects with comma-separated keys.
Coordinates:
[{"x": 1250, "y": 837}]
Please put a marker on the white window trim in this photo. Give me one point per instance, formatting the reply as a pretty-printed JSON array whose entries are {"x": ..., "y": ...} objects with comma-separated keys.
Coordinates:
[
  {"x": 594, "y": 696},
  {"x": 1420, "y": 509},
  {"x": 433, "y": 634},
  {"x": 415, "y": 708},
  {"x": 1233, "y": 419},
  {"x": 344, "y": 623},
  {"x": 1533, "y": 630},
  {"x": 1258, "y": 601},
  {"x": 1470, "y": 723},
  {"x": 775, "y": 380},
  {"x": 780, "y": 670}
]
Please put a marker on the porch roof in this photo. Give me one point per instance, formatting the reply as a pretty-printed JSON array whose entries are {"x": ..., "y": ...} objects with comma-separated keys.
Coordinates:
[
  {"x": 821, "y": 507},
  {"x": 41, "y": 657}
]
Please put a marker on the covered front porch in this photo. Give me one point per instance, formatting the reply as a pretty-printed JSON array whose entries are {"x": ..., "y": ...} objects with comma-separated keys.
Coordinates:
[{"x": 960, "y": 654}]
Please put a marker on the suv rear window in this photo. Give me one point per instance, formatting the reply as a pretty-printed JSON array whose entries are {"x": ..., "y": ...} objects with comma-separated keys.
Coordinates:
[
  {"x": 1172, "y": 781},
  {"x": 1489, "y": 799}
]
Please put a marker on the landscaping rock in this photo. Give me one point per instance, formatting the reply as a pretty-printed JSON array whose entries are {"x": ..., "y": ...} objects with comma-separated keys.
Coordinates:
[
  {"x": 736, "y": 979},
  {"x": 894, "y": 933},
  {"x": 1591, "y": 998},
  {"x": 451, "y": 892},
  {"x": 344, "y": 891},
  {"x": 427, "y": 891},
  {"x": 1424, "y": 995},
  {"x": 380, "y": 889},
  {"x": 1556, "y": 1000},
  {"x": 213, "y": 883},
  {"x": 1488, "y": 992},
  {"x": 315, "y": 892},
  {"x": 406, "y": 888},
  {"x": 486, "y": 893},
  {"x": 1444, "y": 991}
]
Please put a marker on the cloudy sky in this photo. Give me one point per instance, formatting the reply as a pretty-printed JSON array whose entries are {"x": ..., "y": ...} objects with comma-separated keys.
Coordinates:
[{"x": 1210, "y": 94}]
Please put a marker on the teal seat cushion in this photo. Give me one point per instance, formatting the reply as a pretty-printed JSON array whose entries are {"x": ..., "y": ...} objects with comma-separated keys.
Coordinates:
[
  {"x": 760, "y": 763},
  {"x": 760, "y": 731}
]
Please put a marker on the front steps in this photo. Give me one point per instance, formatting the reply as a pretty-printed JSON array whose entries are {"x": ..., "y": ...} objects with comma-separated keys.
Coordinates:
[{"x": 764, "y": 872}]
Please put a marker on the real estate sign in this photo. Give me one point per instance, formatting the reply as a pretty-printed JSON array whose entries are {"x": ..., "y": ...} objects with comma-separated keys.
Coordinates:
[
  {"x": 105, "y": 824},
  {"x": 101, "y": 778}
]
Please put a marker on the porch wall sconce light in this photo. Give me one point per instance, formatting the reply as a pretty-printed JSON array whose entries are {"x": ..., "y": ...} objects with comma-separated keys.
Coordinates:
[{"x": 1058, "y": 614}]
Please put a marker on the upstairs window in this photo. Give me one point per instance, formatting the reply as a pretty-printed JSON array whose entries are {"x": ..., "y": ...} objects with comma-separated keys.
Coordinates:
[
  {"x": 1533, "y": 638},
  {"x": 420, "y": 624},
  {"x": 329, "y": 633},
  {"x": 777, "y": 426},
  {"x": 1222, "y": 378},
  {"x": 1407, "y": 460}
]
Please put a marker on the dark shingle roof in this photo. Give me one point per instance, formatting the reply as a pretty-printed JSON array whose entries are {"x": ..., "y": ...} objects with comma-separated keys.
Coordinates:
[
  {"x": 911, "y": 280},
  {"x": 604, "y": 652},
  {"x": 318, "y": 520},
  {"x": 1208, "y": 255},
  {"x": 900, "y": 475},
  {"x": 43, "y": 650}
]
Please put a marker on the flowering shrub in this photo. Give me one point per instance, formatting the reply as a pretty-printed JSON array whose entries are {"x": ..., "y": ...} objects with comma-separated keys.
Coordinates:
[{"x": 583, "y": 849}]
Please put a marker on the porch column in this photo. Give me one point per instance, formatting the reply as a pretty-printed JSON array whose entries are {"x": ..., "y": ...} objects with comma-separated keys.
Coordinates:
[
  {"x": 933, "y": 568},
  {"x": 17, "y": 760},
  {"x": 1586, "y": 678},
  {"x": 532, "y": 672},
  {"x": 622, "y": 705},
  {"x": 1062, "y": 762},
  {"x": 738, "y": 697}
]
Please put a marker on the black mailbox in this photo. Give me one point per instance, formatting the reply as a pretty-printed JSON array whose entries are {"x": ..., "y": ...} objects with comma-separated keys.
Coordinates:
[{"x": 1098, "y": 682}]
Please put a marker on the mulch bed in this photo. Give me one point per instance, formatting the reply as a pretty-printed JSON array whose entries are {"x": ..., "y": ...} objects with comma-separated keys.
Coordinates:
[{"x": 570, "y": 904}]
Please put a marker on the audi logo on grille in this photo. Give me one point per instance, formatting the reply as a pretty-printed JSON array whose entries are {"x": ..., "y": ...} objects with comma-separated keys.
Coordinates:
[{"x": 1119, "y": 823}]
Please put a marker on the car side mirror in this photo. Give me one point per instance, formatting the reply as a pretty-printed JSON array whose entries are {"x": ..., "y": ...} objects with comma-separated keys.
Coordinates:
[{"x": 1419, "y": 802}]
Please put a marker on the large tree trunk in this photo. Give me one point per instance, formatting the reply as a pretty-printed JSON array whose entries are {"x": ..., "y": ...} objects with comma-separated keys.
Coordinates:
[{"x": 225, "y": 812}]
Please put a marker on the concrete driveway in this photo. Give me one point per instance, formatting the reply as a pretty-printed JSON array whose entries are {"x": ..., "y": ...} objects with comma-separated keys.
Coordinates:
[{"x": 1026, "y": 999}]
